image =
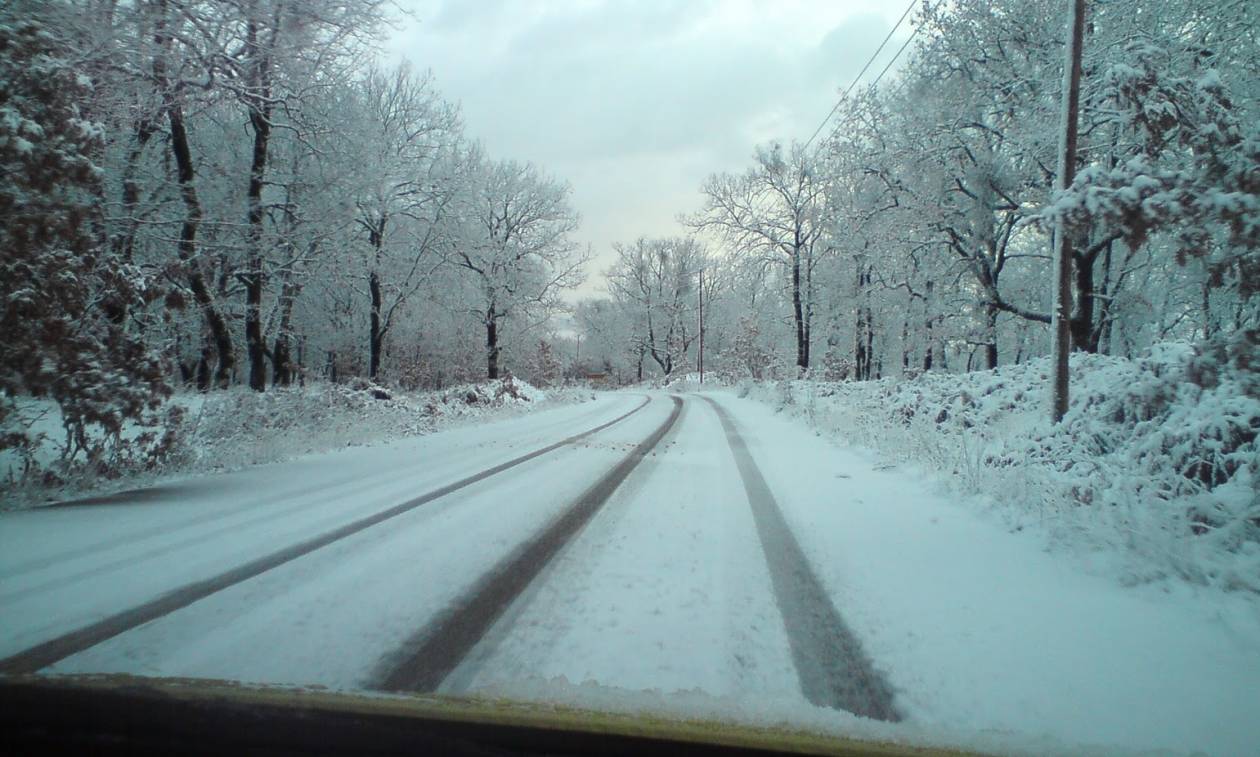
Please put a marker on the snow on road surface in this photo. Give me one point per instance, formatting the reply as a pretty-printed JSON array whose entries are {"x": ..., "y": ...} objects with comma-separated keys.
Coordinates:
[
  {"x": 666, "y": 589},
  {"x": 65, "y": 567},
  {"x": 979, "y": 628},
  {"x": 329, "y": 617}
]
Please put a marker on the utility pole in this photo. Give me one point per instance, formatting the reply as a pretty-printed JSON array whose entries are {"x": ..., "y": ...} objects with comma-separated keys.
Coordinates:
[
  {"x": 1060, "y": 319},
  {"x": 700, "y": 356}
]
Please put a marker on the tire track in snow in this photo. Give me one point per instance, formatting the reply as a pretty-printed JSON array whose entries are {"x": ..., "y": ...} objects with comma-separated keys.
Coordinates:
[
  {"x": 833, "y": 670},
  {"x": 326, "y": 496},
  {"x": 426, "y": 659},
  {"x": 138, "y": 497},
  {"x": 54, "y": 650}
]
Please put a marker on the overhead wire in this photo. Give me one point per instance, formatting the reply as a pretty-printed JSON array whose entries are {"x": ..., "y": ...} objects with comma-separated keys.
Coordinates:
[
  {"x": 885, "y": 70},
  {"x": 862, "y": 73}
]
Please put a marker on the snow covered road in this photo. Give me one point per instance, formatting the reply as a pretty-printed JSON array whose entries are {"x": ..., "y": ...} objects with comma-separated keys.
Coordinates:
[
  {"x": 369, "y": 593},
  {"x": 635, "y": 543},
  {"x": 665, "y": 590},
  {"x": 66, "y": 567}
]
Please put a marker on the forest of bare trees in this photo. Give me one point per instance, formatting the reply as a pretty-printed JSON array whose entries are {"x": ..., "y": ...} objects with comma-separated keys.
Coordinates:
[
  {"x": 238, "y": 192},
  {"x": 217, "y": 193},
  {"x": 914, "y": 235}
]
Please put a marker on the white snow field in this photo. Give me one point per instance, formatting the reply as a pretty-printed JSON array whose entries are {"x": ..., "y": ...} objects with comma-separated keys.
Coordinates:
[{"x": 663, "y": 601}]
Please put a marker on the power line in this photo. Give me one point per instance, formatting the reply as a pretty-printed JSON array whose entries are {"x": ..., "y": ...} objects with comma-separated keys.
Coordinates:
[
  {"x": 900, "y": 50},
  {"x": 861, "y": 73},
  {"x": 888, "y": 66}
]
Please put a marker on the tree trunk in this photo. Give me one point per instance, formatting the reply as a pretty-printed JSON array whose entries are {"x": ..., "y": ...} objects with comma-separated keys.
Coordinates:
[
  {"x": 929, "y": 331},
  {"x": 220, "y": 336},
  {"x": 1207, "y": 311},
  {"x": 492, "y": 345},
  {"x": 861, "y": 361},
  {"x": 301, "y": 361},
  {"x": 254, "y": 274},
  {"x": 282, "y": 362},
  {"x": 1084, "y": 335},
  {"x": 376, "y": 336},
  {"x": 187, "y": 247},
  {"x": 873, "y": 363},
  {"x": 802, "y": 349},
  {"x": 260, "y": 119},
  {"x": 809, "y": 310},
  {"x": 376, "y": 330},
  {"x": 862, "y": 357},
  {"x": 990, "y": 337},
  {"x": 203, "y": 369},
  {"x": 905, "y": 346},
  {"x": 125, "y": 242},
  {"x": 282, "y": 373}
]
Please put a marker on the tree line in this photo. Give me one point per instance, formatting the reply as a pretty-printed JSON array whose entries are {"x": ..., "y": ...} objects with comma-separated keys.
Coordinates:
[
  {"x": 239, "y": 192},
  {"x": 916, "y": 236}
]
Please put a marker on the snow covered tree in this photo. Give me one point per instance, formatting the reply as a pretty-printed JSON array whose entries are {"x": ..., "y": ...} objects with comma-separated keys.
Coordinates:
[
  {"x": 65, "y": 329},
  {"x": 775, "y": 211},
  {"x": 516, "y": 248},
  {"x": 1190, "y": 169},
  {"x": 606, "y": 339},
  {"x": 285, "y": 45},
  {"x": 654, "y": 282},
  {"x": 405, "y": 181}
]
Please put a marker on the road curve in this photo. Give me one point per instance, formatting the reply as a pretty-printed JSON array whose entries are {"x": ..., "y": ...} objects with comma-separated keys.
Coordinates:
[
  {"x": 427, "y": 658},
  {"x": 66, "y": 644},
  {"x": 834, "y": 670}
]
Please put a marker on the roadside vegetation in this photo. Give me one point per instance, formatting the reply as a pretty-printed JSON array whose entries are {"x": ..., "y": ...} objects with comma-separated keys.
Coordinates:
[
  {"x": 228, "y": 225},
  {"x": 1150, "y": 476}
]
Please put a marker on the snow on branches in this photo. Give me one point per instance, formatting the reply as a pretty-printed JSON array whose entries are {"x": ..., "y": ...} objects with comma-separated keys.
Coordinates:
[
  {"x": 1191, "y": 170},
  {"x": 64, "y": 329}
]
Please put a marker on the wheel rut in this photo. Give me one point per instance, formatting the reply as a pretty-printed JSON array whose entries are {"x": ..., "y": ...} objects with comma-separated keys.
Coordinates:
[
  {"x": 833, "y": 669},
  {"x": 425, "y": 660},
  {"x": 54, "y": 650}
]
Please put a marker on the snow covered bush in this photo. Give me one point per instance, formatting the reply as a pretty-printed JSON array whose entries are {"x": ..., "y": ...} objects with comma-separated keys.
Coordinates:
[
  {"x": 65, "y": 296},
  {"x": 240, "y": 427},
  {"x": 1157, "y": 458}
]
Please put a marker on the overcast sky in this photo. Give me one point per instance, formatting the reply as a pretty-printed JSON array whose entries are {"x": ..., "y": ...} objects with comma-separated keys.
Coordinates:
[{"x": 635, "y": 102}]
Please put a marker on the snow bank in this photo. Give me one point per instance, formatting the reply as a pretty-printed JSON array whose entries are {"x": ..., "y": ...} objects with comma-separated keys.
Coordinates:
[
  {"x": 1155, "y": 465},
  {"x": 240, "y": 427}
]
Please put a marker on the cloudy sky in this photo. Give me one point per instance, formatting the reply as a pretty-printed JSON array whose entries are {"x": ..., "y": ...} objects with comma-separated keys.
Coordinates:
[{"x": 635, "y": 102}]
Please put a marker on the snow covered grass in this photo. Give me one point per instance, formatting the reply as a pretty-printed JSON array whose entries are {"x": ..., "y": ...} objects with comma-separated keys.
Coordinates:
[
  {"x": 239, "y": 427},
  {"x": 1154, "y": 472}
]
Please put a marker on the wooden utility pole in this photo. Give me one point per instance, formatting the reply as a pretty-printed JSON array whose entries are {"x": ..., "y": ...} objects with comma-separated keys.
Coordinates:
[
  {"x": 1061, "y": 318},
  {"x": 700, "y": 358}
]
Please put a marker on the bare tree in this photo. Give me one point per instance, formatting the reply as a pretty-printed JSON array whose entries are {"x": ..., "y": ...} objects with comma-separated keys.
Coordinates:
[
  {"x": 406, "y": 181},
  {"x": 654, "y": 281},
  {"x": 776, "y": 210},
  {"x": 516, "y": 245}
]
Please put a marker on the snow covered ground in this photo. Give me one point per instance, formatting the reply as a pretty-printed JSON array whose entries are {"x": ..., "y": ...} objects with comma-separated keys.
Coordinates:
[
  {"x": 237, "y": 428},
  {"x": 980, "y": 626},
  {"x": 1152, "y": 477},
  {"x": 663, "y": 602},
  {"x": 659, "y": 592},
  {"x": 64, "y": 567}
]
